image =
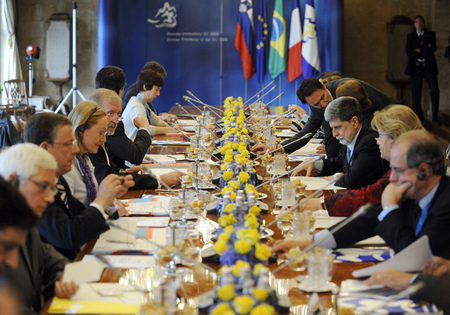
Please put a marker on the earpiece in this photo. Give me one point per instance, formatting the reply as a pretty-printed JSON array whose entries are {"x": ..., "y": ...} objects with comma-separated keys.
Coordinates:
[
  {"x": 82, "y": 127},
  {"x": 421, "y": 175},
  {"x": 14, "y": 182}
]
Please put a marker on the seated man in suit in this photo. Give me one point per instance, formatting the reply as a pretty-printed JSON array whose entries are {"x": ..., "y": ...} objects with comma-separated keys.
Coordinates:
[
  {"x": 16, "y": 219},
  {"x": 415, "y": 203},
  {"x": 66, "y": 223},
  {"x": 110, "y": 159},
  {"x": 318, "y": 95},
  {"x": 435, "y": 279},
  {"x": 40, "y": 265},
  {"x": 359, "y": 159}
]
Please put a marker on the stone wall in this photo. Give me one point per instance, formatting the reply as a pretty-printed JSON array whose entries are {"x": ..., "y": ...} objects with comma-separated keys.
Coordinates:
[{"x": 365, "y": 43}]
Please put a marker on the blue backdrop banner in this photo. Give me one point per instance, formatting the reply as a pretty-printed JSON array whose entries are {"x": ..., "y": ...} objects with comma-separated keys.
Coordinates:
[{"x": 194, "y": 41}]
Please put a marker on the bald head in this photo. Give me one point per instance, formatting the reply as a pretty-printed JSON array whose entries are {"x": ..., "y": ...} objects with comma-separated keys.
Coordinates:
[{"x": 420, "y": 146}]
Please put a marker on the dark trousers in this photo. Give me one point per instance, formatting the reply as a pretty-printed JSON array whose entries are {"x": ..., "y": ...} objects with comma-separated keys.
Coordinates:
[{"x": 417, "y": 77}]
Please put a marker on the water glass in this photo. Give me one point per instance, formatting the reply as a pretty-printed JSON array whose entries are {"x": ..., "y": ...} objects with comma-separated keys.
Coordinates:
[
  {"x": 279, "y": 163},
  {"x": 288, "y": 193},
  {"x": 271, "y": 141},
  {"x": 318, "y": 269},
  {"x": 300, "y": 228}
]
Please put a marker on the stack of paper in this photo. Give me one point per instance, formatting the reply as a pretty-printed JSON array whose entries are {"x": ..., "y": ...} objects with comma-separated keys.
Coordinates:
[
  {"x": 162, "y": 158},
  {"x": 316, "y": 183},
  {"x": 156, "y": 206}
]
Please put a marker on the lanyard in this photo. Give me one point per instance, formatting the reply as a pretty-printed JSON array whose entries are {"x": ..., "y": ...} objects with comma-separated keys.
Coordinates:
[{"x": 149, "y": 116}]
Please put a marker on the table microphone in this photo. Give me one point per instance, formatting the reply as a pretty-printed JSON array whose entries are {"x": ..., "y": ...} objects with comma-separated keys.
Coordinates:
[
  {"x": 303, "y": 201},
  {"x": 270, "y": 83},
  {"x": 201, "y": 102},
  {"x": 290, "y": 171},
  {"x": 192, "y": 116},
  {"x": 361, "y": 211},
  {"x": 190, "y": 99},
  {"x": 308, "y": 135},
  {"x": 265, "y": 105},
  {"x": 271, "y": 125}
]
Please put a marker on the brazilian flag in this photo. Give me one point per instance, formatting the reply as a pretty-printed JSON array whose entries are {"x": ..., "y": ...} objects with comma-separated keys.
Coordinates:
[{"x": 277, "y": 53}]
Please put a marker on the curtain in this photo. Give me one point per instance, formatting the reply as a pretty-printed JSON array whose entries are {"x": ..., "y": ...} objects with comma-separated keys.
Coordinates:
[{"x": 10, "y": 61}]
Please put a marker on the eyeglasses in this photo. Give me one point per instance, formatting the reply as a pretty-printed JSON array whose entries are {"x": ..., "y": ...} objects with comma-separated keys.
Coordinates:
[
  {"x": 383, "y": 134},
  {"x": 68, "y": 145},
  {"x": 102, "y": 133},
  {"x": 399, "y": 171},
  {"x": 44, "y": 188},
  {"x": 113, "y": 116}
]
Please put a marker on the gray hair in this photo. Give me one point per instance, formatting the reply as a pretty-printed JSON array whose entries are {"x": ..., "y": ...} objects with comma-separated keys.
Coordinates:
[
  {"x": 105, "y": 95},
  {"x": 343, "y": 108},
  {"x": 25, "y": 160}
]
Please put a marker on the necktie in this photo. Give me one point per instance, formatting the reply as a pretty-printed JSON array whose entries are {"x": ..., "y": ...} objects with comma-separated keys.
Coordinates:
[
  {"x": 62, "y": 193},
  {"x": 423, "y": 217},
  {"x": 421, "y": 39},
  {"x": 349, "y": 154},
  {"x": 88, "y": 180}
]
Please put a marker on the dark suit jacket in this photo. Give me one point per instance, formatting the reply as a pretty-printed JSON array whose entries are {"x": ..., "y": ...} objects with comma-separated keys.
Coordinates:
[
  {"x": 40, "y": 265},
  {"x": 103, "y": 169},
  {"x": 435, "y": 291},
  {"x": 365, "y": 167},
  {"x": 427, "y": 50},
  {"x": 69, "y": 229},
  {"x": 398, "y": 227},
  {"x": 317, "y": 119},
  {"x": 122, "y": 149},
  {"x": 133, "y": 91}
]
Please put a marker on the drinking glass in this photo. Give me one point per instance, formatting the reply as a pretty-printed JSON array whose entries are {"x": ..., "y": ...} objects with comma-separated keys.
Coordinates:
[{"x": 279, "y": 163}]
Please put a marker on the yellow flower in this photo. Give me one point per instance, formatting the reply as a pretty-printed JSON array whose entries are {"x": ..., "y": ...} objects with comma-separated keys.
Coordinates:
[
  {"x": 238, "y": 158},
  {"x": 257, "y": 268},
  {"x": 227, "y": 220},
  {"x": 229, "y": 208},
  {"x": 245, "y": 153},
  {"x": 252, "y": 236},
  {"x": 229, "y": 229},
  {"x": 228, "y": 158},
  {"x": 244, "y": 130},
  {"x": 237, "y": 267},
  {"x": 229, "y": 152},
  {"x": 233, "y": 196},
  {"x": 251, "y": 221},
  {"x": 254, "y": 210},
  {"x": 249, "y": 187},
  {"x": 242, "y": 247},
  {"x": 222, "y": 309},
  {"x": 262, "y": 252},
  {"x": 243, "y": 304},
  {"x": 220, "y": 247},
  {"x": 226, "y": 292},
  {"x": 235, "y": 146},
  {"x": 223, "y": 167},
  {"x": 261, "y": 294},
  {"x": 263, "y": 309},
  {"x": 232, "y": 118},
  {"x": 227, "y": 175},
  {"x": 243, "y": 177},
  {"x": 233, "y": 184},
  {"x": 224, "y": 237}
]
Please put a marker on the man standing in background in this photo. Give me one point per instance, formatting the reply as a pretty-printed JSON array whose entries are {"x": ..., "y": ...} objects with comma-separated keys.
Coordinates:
[{"x": 420, "y": 48}]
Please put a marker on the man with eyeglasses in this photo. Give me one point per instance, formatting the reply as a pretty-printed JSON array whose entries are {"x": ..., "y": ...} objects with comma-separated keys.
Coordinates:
[
  {"x": 33, "y": 171},
  {"x": 318, "y": 95},
  {"x": 119, "y": 148},
  {"x": 415, "y": 203},
  {"x": 66, "y": 223}
]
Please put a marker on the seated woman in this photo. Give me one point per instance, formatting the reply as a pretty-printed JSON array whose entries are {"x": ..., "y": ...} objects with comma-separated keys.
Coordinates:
[
  {"x": 89, "y": 126},
  {"x": 390, "y": 123},
  {"x": 149, "y": 85}
]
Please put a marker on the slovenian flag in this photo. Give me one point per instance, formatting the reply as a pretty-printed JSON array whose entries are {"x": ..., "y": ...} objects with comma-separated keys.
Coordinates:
[
  {"x": 294, "y": 69},
  {"x": 277, "y": 53},
  {"x": 310, "y": 49},
  {"x": 244, "y": 37},
  {"x": 262, "y": 42}
]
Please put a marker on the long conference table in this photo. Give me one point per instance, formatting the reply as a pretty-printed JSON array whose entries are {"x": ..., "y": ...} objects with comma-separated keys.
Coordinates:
[{"x": 204, "y": 280}]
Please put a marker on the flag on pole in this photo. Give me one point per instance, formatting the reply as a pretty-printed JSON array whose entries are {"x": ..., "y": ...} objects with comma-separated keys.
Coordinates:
[
  {"x": 310, "y": 48},
  {"x": 277, "y": 53},
  {"x": 294, "y": 69},
  {"x": 262, "y": 42},
  {"x": 244, "y": 37}
]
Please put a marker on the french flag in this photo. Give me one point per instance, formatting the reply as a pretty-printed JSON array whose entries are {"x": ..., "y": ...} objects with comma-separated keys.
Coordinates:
[
  {"x": 310, "y": 48},
  {"x": 244, "y": 37},
  {"x": 294, "y": 69}
]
